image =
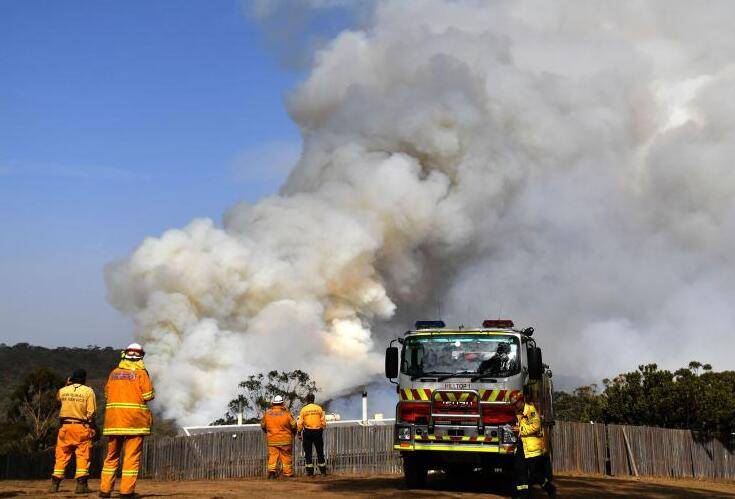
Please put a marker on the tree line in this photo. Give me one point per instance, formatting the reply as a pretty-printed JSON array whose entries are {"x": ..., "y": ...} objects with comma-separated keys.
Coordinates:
[{"x": 693, "y": 397}]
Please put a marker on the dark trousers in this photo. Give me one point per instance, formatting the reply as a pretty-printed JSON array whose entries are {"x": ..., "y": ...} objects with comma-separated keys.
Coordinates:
[
  {"x": 528, "y": 471},
  {"x": 313, "y": 438}
]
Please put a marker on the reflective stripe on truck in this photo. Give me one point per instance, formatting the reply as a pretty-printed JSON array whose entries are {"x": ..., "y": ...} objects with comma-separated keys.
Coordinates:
[
  {"x": 416, "y": 394},
  {"x": 408, "y": 446}
]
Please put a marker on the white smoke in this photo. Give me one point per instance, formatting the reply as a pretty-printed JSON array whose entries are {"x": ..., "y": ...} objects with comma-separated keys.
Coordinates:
[{"x": 568, "y": 163}]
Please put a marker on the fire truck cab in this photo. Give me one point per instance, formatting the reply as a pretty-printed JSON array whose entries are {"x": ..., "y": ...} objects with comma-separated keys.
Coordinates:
[{"x": 454, "y": 387}]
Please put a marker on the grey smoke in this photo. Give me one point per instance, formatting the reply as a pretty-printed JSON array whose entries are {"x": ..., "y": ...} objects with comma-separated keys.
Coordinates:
[
  {"x": 294, "y": 30},
  {"x": 568, "y": 162}
]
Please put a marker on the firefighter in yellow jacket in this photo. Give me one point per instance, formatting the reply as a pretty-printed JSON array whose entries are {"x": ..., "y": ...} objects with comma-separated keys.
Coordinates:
[
  {"x": 310, "y": 426},
  {"x": 127, "y": 420},
  {"x": 532, "y": 463},
  {"x": 78, "y": 410},
  {"x": 279, "y": 427}
]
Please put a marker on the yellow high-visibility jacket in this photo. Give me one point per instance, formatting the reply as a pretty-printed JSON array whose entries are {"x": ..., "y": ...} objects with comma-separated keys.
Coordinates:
[
  {"x": 279, "y": 426},
  {"x": 128, "y": 391},
  {"x": 311, "y": 417},
  {"x": 531, "y": 432},
  {"x": 78, "y": 402}
]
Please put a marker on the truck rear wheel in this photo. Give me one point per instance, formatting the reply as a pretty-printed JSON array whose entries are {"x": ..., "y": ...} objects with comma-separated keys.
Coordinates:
[
  {"x": 414, "y": 472},
  {"x": 459, "y": 473}
]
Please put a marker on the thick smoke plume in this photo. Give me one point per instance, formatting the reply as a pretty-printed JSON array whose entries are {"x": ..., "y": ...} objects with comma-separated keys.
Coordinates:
[{"x": 567, "y": 164}]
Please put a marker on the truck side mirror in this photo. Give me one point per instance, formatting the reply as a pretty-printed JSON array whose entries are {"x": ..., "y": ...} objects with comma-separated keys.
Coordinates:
[
  {"x": 391, "y": 362},
  {"x": 535, "y": 363}
]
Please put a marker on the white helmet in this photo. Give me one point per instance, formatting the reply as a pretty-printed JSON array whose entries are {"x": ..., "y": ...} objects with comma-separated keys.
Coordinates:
[
  {"x": 134, "y": 351},
  {"x": 277, "y": 400}
]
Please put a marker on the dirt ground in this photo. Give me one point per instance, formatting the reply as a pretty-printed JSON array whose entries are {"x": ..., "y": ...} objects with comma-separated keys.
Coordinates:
[{"x": 388, "y": 486}]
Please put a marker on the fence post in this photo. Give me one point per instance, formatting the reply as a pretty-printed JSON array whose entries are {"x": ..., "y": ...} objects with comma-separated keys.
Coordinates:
[{"x": 631, "y": 459}]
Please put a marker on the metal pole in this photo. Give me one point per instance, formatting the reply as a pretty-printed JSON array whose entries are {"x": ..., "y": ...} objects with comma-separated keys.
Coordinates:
[{"x": 364, "y": 406}]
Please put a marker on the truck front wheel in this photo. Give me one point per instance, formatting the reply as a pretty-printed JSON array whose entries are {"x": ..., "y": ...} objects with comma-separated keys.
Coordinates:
[{"x": 414, "y": 472}]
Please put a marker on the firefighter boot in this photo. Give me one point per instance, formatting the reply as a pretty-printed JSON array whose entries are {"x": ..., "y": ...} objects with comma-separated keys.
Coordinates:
[
  {"x": 309, "y": 470},
  {"x": 55, "y": 482},
  {"x": 82, "y": 486},
  {"x": 550, "y": 489},
  {"x": 271, "y": 475},
  {"x": 323, "y": 469}
]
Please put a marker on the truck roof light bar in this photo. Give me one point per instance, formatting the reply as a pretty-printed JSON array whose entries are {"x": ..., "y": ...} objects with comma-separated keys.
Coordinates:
[
  {"x": 498, "y": 323},
  {"x": 430, "y": 325}
]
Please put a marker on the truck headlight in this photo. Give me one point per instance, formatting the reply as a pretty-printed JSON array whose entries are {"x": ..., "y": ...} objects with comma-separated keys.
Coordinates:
[
  {"x": 404, "y": 433},
  {"x": 492, "y": 432},
  {"x": 508, "y": 436}
]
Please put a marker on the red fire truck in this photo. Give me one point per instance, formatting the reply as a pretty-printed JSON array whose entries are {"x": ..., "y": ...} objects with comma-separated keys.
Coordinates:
[{"x": 454, "y": 387}]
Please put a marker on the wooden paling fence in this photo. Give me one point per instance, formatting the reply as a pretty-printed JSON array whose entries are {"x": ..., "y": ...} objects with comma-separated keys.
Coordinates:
[
  {"x": 355, "y": 448},
  {"x": 579, "y": 447},
  {"x": 350, "y": 449},
  {"x": 646, "y": 451}
]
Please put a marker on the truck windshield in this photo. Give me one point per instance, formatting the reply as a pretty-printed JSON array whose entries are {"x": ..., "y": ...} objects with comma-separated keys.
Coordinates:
[{"x": 494, "y": 355}]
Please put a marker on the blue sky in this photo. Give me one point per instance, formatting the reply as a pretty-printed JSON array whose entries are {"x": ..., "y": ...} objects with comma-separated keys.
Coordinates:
[{"x": 119, "y": 120}]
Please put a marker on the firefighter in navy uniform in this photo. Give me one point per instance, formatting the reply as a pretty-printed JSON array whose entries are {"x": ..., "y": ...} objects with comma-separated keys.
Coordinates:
[
  {"x": 310, "y": 425},
  {"x": 532, "y": 463}
]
